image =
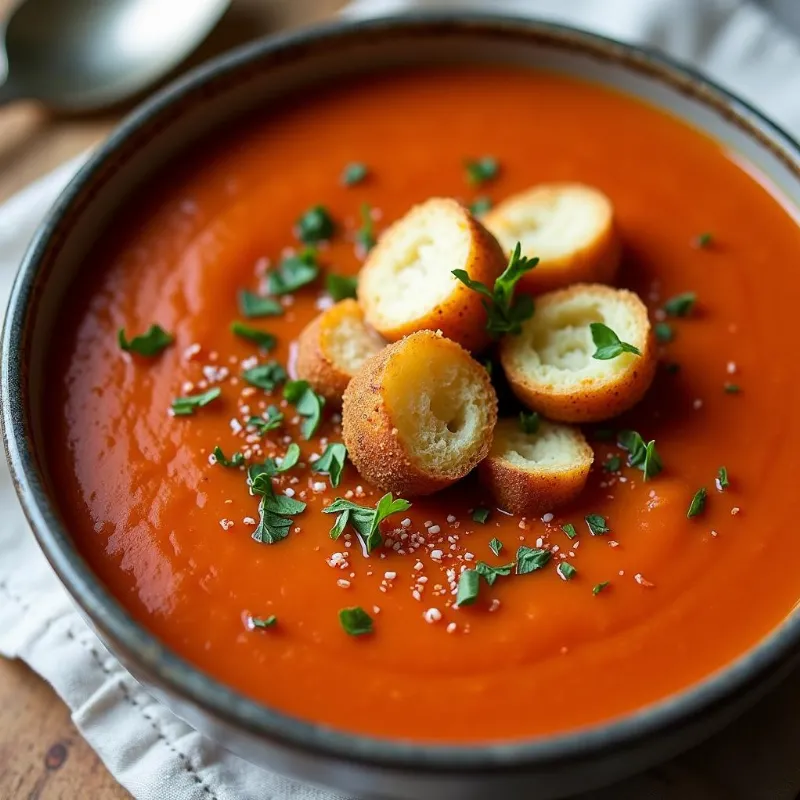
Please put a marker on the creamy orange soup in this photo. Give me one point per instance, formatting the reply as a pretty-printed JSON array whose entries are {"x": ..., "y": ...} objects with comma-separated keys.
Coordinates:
[{"x": 657, "y": 603}]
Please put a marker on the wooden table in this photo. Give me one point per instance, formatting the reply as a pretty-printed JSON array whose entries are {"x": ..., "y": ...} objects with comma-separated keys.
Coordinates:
[{"x": 42, "y": 756}]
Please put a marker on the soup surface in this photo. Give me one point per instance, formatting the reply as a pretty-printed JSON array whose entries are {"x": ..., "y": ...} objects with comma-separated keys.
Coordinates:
[{"x": 656, "y": 604}]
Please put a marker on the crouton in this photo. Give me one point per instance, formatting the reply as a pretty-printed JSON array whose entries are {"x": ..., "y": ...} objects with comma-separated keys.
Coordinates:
[
  {"x": 550, "y": 365},
  {"x": 407, "y": 285},
  {"x": 533, "y": 473},
  {"x": 419, "y": 415},
  {"x": 568, "y": 226},
  {"x": 332, "y": 348}
]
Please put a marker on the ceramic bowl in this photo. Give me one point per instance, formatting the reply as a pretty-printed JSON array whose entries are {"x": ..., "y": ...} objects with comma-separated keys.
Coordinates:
[{"x": 257, "y": 76}]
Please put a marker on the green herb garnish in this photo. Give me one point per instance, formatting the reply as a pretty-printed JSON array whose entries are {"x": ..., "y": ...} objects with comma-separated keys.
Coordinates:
[
  {"x": 732, "y": 388},
  {"x": 722, "y": 479},
  {"x": 613, "y": 464},
  {"x": 354, "y": 173},
  {"x": 315, "y": 225},
  {"x": 505, "y": 312},
  {"x": 496, "y": 546},
  {"x": 490, "y": 574},
  {"x": 530, "y": 559},
  {"x": 270, "y": 467},
  {"x": 265, "y": 622},
  {"x": 664, "y": 332},
  {"x": 148, "y": 344},
  {"x": 468, "y": 588},
  {"x": 308, "y": 404},
  {"x": 569, "y": 529},
  {"x": 293, "y": 272},
  {"x": 644, "y": 456},
  {"x": 566, "y": 571},
  {"x": 597, "y": 524},
  {"x": 331, "y": 463},
  {"x": 529, "y": 423},
  {"x": 275, "y": 511},
  {"x": 340, "y": 287},
  {"x": 274, "y": 420},
  {"x": 365, "y": 520},
  {"x": 480, "y": 205},
  {"x": 480, "y": 515},
  {"x": 698, "y": 504},
  {"x": 365, "y": 235},
  {"x": 704, "y": 240},
  {"x": 481, "y": 170},
  {"x": 236, "y": 460},
  {"x": 681, "y": 305},
  {"x": 608, "y": 344},
  {"x": 355, "y": 621},
  {"x": 598, "y": 587},
  {"x": 265, "y": 376},
  {"x": 185, "y": 406},
  {"x": 253, "y": 305},
  {"x": 266, "y": 341}
]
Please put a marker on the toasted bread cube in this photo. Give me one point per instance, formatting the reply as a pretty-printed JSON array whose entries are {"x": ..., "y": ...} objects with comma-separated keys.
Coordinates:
[
  {"x": 550, "y": 367},
  {"x": 407, "y": 285},
  {"x": 533, "y": 473},
  {"x": 419, "y": 415},
  {"x": 332, "y": 348},
  {"x": 569, "y": 227}
]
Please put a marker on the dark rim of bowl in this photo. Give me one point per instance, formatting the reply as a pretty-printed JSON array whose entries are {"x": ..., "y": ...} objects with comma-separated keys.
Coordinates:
[{"x": 188, "y": 683}]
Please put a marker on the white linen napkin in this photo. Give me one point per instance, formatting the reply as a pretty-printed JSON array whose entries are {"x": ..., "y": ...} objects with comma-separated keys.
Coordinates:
[{"x": 153, "y": 753}]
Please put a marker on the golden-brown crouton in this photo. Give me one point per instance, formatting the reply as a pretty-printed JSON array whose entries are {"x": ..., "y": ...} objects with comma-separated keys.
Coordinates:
[
  {"x": 533, "y": 473},
  {"x": 550, "y": 365},
  {"x": 568, "y": 226},
  {"x": 332, "y": 348},
  {"x": 419, "y": 415},
  {"x": 407, "y": 285}
]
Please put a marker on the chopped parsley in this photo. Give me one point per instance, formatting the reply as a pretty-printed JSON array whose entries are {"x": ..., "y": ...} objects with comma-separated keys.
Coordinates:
[
  {"x": 468, "y": 588},
  {"x": 529, "y": 423},
  {"x": 480, "y": 205},
  {"x": 608, "y": 344},
  {"x": 331, "y": 463},
  {"x": 266, "y": 341},
  {"x": 681, "y": 305},
  {"x": 264, "y": 622},
  {"x": 265, "y": 376},
  {"x": 481, "y": 170},
  {"x": 365, "y": 235},
  {"x": 599, "y": 587},
  {"x": 275, "y": 511},
  {"x": 703, "y": 240},
  {"x": 355, "y": 621},
  {"x": 698, "y": 504},
  {"x": 530, "y": 559},
  {"x": 490, "y": 574},
  {"x": 505, "y": 312},
  {"x": 340, "y": 287},
  {"x": 355, "y": 172},
  {"x": 569, "y": 529},
  {"x": 566, "y": 571},
  {"x": 496, "y": 546},
  {"x": 270, "y": 467},
  {"x": 315, "y": 225},
  {"x": 365, "y": 520},
  {"x": 480, "y": 515},
  {"x": 186, "y": 406},
  {"x": 253, "y": 305},
  {"x": 732, "y": 388},
  {"x": 236, "y": 460},
  {"x": 293, "y": 272},
  {"x": 664, "y": 332},
  {"x": 644, "y": 456},
  {"x": 274, "y": 420},
  {"x": 722, "y": 479},
  {"x": 308, "y": 404},
  {"x": 597, "y": 524},
  {"x": 613, "y": 464},
  {"x": 148, "y": 344}
]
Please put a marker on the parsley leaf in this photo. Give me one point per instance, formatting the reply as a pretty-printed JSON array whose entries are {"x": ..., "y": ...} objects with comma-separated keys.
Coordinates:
[
  {"x": 490, "y": 574},
  {"x": 236, "y": 460},
  {"x": 479, "y": 206},
  {"x": 265, "y": 622},
  {"x": 270, "y": 467},
  {"x": 266, "y": 341},
  {"x": 340, "y": 287},
  {"x": 331, "y": 463},
  {"x": 664, "y": 332},
  {"x": 505, "y": 313},
  {"x": 704, "y": 240},
  {"x": 598, "y": 587},
  {"x": 644, "y": 456},
  {"x": 732, "y": 388},
  {"x": 355, "y": 621},
  {"x": 254, "y": 305},
  {"x": 365, "y": 235},
  {"x": 608, "y": 344},
  {"x": 481, "y": 170},
  {"x": 308, "y": 404},
  {"x": 530, "y": 559},
  {"x": 569, "y": 529},
  {"x": 265, "y": 376},
  {"x": 315, "y": 225},
  {"x": 597, "y": 524},
  {"x": 613, "y": 464},
  {"x": 480, "y": 515},
  {"x": 680, "y": 305},
  {"x": 148, "y": 344},
  {"x": 468, "y": 588},
  {"x": 272, "y": 527},
  {"x": 566, "y": 571},
  {"x": 722, "y": 479},
  {"x": 274, "y": 420},
  {"x": 293, "y": 272},
  {"x": 529, "y": 423},
  {"x": 186, "y": 406},
  {"x": 496, "y": 546},
  {"x": 354, "y": 173},
  {"x": 365, "y": 520},
  {"x": 698, "y": 504}
]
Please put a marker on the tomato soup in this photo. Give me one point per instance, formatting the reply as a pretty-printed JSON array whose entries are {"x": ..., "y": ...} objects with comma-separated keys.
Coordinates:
[{"x": 655, "y": 603}]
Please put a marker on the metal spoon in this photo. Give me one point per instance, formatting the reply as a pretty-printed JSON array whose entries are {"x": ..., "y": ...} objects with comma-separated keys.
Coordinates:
[{"x": 79, "y": 55}]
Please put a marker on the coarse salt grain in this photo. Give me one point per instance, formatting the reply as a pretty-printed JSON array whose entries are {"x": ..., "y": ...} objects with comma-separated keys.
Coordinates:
[
  {"x": 735, "y": 510},
  {"x": 547, "y": 517},
  {"x": 344, "y": 583},
  {"x": 494, "y": 605},
  {"x": 390, "y": 576},
  {"x": 731, "y": 368},
  {"x": 249, "y": 521},
  {"x": 451, "y": 518},
  {"x": 436, "y": 555},
  {"x": 432, "y": 615},
  {"x": 225, "y": 524},
  {"x": 434, "y": 529},
  {"x": 318, "y": 486},
  {"x": 288, "y": 491},
  {"x": 406, "y": 523},
  {"x": 697, "y": 404},
  {"x": 451, "y": 627}
]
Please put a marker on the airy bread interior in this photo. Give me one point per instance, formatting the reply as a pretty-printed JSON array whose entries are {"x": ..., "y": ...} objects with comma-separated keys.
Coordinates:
[
  {"x": 553, "y": 448},
  {"x": 350, "y": 342}
]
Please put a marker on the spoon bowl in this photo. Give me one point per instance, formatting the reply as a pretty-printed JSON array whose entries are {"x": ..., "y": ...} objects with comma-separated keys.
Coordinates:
[{"x": 81, "y": 55}]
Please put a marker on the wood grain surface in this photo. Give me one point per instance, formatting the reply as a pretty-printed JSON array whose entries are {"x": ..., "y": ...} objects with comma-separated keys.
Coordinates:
[{"x": 42, "y": 756}]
